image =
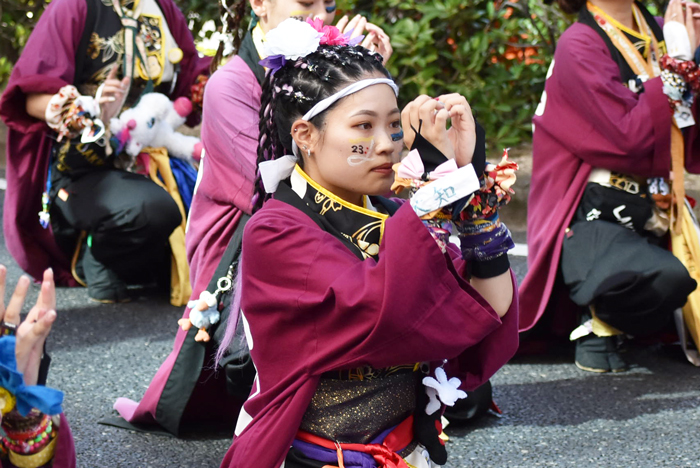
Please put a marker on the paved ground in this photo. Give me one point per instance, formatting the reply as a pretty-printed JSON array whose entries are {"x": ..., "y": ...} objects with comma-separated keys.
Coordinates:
[{"x": 554, "y": 414}]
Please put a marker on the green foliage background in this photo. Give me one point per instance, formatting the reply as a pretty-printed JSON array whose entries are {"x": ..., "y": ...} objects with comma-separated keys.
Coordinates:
[{"x": 493, "y": 52}]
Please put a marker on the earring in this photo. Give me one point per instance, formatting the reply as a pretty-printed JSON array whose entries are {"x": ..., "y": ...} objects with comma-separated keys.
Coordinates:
[{"x": 308, "y": 151}]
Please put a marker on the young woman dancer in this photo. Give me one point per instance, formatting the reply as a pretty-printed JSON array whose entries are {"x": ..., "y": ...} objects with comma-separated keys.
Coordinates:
[
  {"x": 350, "y": 302},
  {"x": 224, "y": 196},
  {"x": 605, "y": 136}
]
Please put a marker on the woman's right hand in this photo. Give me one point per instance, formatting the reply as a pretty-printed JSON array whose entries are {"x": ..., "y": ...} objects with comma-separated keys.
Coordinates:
[
  {"x": 113, "y": 95},
  {"x": 31, "y": 334}
]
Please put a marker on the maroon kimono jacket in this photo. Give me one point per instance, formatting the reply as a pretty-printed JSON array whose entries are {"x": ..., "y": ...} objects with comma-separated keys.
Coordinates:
[
  {"x": 590, "y": 120},
  {"x": 320, "y": 308},
  {"x": 47, "y": 64}
]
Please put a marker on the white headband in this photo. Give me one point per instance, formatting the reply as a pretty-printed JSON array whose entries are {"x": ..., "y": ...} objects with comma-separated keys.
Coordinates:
[{"x": 272, "y": 172}]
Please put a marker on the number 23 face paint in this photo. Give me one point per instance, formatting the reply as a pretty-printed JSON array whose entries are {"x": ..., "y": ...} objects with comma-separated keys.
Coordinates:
[{"x": 362, "y": 150}]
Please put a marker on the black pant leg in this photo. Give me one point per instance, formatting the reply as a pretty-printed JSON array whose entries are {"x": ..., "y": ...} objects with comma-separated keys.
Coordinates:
[
  {"x": 128, "y": 217},
  {"x": 634, "y": 285}
]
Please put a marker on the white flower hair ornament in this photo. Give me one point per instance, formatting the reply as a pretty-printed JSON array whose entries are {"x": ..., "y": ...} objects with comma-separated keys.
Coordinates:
[
  {"x": 441, "y": 390},
  {"x": 293, "y": 39}
]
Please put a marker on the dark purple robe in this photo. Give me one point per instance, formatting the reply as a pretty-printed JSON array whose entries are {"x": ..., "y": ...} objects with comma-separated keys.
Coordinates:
[
  {"x": 320, "y": 308},
  {"x": 590, "y": 120},
  {"x": 47, "y": 64}
]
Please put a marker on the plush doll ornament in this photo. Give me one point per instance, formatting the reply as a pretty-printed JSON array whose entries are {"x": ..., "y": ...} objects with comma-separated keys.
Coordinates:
[
  {"x": 152, "y": 123},
  {"x": 202, "y": 319}
]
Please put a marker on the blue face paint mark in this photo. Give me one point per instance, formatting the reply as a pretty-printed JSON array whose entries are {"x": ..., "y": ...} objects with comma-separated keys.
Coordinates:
[
  {"x": 397, "y": 136},
  {"x": 331, "y": 9}
]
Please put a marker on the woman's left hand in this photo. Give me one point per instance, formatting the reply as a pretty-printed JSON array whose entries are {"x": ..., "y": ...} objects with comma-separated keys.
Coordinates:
[
  {"x": 462, "y": 133},
  {"x": 431, "y": 116},
  {"x": 692, "y": 23},
  {"x": 31, "y": 334}
]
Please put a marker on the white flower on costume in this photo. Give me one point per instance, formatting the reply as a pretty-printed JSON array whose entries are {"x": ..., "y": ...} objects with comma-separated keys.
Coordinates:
[
  {"x": 292, "y": 39},
  {"x": 439, "y": 388}
]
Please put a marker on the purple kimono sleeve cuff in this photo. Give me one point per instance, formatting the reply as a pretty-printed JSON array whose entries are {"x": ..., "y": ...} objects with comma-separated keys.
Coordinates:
[{"x": 13, "y": 106}]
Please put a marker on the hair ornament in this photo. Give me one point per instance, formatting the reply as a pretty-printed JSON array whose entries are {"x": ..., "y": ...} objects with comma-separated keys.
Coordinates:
[
  {"x": 293, "y": 39},
  {"x": 290, "y": 40},
  {"x": 332, "y": 35}
]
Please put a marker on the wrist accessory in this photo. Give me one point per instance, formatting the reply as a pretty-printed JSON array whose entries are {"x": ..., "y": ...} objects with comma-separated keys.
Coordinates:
[
  {"x": 688, "y": 70},
  {"x": 496, "y": 191},
  {"x": 484, "y": 244},
  {"x": 71, "y": 114}
]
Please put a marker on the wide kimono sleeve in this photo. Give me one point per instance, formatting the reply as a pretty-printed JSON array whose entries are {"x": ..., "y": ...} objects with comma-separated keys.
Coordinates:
[
  {"x": 230, "y": 135},
  {"x": 47, "y": 62},
  {"x": 409, "y": 306},
  {"x": 594, "y": 116}
]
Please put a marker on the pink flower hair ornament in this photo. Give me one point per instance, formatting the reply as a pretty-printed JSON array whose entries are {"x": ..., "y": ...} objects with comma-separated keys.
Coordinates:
[{"x": 332, "y": 35}]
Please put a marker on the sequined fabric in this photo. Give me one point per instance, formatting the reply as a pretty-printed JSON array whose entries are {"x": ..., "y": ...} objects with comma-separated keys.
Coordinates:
[{"x": 356, "y": 411}]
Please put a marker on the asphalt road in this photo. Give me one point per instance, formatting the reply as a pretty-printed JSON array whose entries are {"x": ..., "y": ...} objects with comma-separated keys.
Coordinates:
[{"x": 553, "y": 414}]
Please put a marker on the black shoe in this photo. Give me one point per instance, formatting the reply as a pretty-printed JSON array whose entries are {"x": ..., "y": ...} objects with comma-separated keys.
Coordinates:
[
  {"x": 103, "y": 284},
  {"x": 599, "y": 354}
]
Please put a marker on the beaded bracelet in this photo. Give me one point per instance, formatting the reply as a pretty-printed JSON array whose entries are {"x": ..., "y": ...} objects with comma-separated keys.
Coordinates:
[
  {"x": 30, "y": 441},
  {"x": 686, "y": 69}
]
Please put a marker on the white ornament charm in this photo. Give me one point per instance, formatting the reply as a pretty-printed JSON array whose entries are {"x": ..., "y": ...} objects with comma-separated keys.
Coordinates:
[{"x": 442, "y": 389}]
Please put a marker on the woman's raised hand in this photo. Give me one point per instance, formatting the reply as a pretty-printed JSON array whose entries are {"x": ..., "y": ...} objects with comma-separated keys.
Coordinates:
[
  {"x": 113, "y": 95},
  {"x": 375, "y": 39},
  {"x": 31, "y": 334},
  {"x": 692, "y": 23},
  {"x": 431, "y": 116}
]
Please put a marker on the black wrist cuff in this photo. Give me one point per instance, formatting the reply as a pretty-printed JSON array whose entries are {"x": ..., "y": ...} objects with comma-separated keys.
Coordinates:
[{"x": 490, "y": 268}]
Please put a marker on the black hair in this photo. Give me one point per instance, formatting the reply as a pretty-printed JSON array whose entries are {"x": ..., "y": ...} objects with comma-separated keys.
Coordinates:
[
  {"x": 569, "y": 7},
  {"x": 296, "y": 87},
  {"x": 232, "y": 14}
]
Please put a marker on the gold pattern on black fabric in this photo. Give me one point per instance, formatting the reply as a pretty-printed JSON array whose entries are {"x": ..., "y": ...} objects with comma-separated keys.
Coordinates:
[
  {"x": 358, "y": 411},
  {"x": 360, "y": 225}
]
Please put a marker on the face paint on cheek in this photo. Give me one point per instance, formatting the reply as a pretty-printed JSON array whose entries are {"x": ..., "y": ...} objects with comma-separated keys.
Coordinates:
[
  {"x": 397, "y": 136},
  {"x": 362, "y": 150},
  {"x": 301, "y": 15}
]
